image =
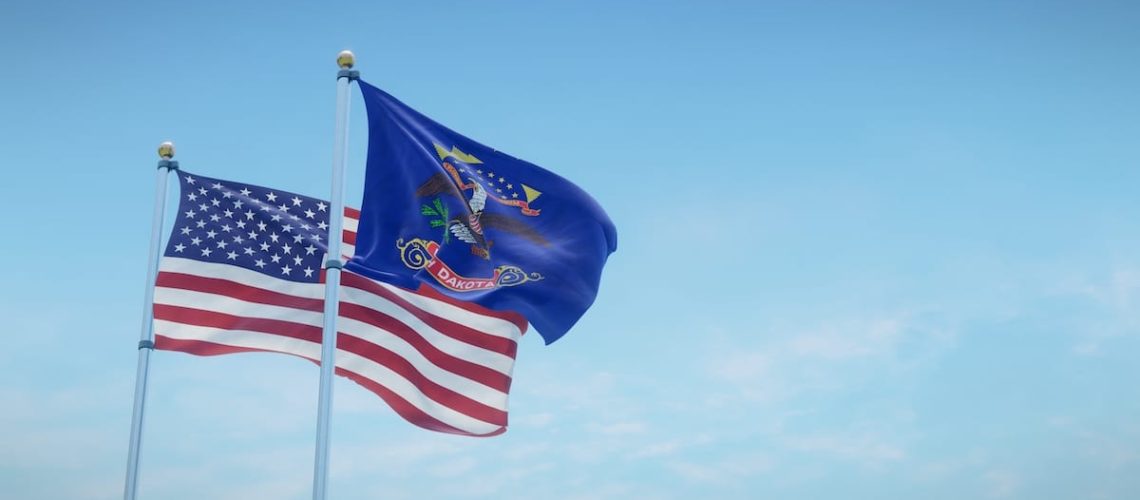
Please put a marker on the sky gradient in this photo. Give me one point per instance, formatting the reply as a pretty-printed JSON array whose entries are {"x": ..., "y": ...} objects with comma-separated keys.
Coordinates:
[{"x": 866, "y": 249}]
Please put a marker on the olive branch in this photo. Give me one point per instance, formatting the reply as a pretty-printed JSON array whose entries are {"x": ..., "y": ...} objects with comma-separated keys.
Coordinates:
[{"x": 436, "y": 209}]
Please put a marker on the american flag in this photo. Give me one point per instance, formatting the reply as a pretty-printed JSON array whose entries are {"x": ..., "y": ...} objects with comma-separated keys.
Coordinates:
[{"x": 243, "y": 272}]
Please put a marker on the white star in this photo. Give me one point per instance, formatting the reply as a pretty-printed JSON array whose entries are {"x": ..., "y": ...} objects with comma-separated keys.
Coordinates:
[
  {"x": 321, "y": 206},
  {"x": 306, "y": 227},
  {"x": 228, "y": 213},
  {"x": 287, "y": 249},
  {"x": 297, "y": 238},
  {"x": 264, "y": 247},
  {"x": 227, "y": 228},
  {"x": 238, "y": 203},
  {"x": 211, "y": 234},
  {"x": 227, "y": 194},
  {"x": 206, "y": 252},
  {"x": 259, "y": 263},
  {"x": 322, "y": 226},
  {"x": 275, "y": 258},
  {"x": 238, "y": 239},
  {"x": 192, "y": 197},
  {"x": 202, "y": 191},
  {"x": 195, "y": 241},
  {"x": 231, "y": 255},
  {"x": 203, "y": 207},
  {"x": 316, "y": 237},
  {"x": 245, "y": 192},
  {"x": 240, "y": 224},
  {"x": 252, "y": 235},
  {"x": 271, "y": 196},
  {"x": 186, "y": 230},
  {"x": 216, "y": 185},
  {"x": 287, "y": 228},
  {"x": 294, "y": 217},
  {"x": 261, "y": 225},
  {"x": 308, "y": 272},
  {"x": 310, "y": 213},
  {"x": 190, "y": 214},
  {"x": 514, "y": 195},
  {"x": 273, "y": 236},
  {"x": 179, "y": 248},
  {"x": 286, "y": 270},
  {"x": 297, "y": 260},
  {"x": 275, "y": 218},
  {"x": 309, "y": 250},
  {"x": 283, "y": 207},
  {"x": 247, "y": 251},
  {"x": 215, "y": 202},
  {"x": 296, "y": 201},
  {"x": 221, "y": 243},
  {"x": 189, "y": 180},
  {"x": 200, "y": 224},
  {"x": 249, "y": 214},
  {"x": 215, "y": 218}
]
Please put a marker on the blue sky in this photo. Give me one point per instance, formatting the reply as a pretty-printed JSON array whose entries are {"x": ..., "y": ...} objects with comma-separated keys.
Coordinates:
[{"x": 866, "y": 250}]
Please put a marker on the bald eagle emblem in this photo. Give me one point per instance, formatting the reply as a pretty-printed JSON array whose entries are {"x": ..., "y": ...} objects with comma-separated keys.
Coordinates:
[{"x": 471, "y": 226}]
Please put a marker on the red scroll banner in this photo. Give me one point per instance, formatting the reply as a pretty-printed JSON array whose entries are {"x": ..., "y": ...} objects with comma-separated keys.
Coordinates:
[{"x": 451, "y": 279}]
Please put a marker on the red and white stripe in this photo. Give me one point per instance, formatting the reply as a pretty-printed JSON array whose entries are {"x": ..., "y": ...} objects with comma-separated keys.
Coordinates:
[{"x": 440, "y": 363}]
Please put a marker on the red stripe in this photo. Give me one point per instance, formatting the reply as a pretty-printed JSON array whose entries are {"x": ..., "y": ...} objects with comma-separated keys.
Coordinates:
[
  {"x": 401, "y": 406},
  {"x": 236, "y": 290},
  {"x": 198, "y": 347},
  {"x": 349, "y": 237},
  {"x": 435, "y": 392},
  {"x": 352, "y": 213},
  {"x": 222, "y": 321},
  {"x": 452, "y": 329},
  {"x": 479, "y": 373}
]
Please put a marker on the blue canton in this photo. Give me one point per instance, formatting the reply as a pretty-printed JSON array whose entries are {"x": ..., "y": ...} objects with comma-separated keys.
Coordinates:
[{"x": 273, "y": 232}]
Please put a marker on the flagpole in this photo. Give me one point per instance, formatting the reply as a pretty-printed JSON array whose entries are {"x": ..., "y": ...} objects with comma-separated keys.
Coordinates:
[
  {"x": 146, "y": 340},
  {"x": 333, "y": 265}
]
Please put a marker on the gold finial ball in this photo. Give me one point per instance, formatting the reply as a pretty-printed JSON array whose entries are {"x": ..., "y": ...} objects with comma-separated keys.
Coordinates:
[
  {"x": 345, "y": 59},
  {"x": 166, "y": 150}
]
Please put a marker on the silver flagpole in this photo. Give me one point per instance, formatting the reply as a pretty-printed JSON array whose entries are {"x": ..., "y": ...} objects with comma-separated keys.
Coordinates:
[
  {"x": 146, "y": 340},
  {"x": 333, "y": 265}
]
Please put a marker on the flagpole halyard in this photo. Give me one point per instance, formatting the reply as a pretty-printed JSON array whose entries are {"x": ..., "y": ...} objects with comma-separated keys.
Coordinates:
[
  {"x": 146, "y": 340},
  {"x": 346, "y": 60}
]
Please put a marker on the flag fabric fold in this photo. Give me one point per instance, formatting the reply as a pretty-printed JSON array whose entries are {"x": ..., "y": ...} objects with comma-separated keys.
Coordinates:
[
  {"x": 475, "y": 224},
  {"x": 242, "y": 272}
]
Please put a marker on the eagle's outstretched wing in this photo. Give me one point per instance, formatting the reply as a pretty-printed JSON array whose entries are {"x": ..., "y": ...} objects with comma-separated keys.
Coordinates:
[
  {"x": 438, "y": 184},
  {"x": 512, "y": 225},
  {"x": 462, "y": 232}
]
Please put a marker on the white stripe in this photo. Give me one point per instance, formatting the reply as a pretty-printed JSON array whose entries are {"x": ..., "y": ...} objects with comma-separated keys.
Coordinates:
[
  {"x": 346, "y": 360},
  {"x": 350, "y": 223}
]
